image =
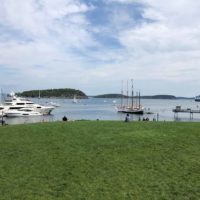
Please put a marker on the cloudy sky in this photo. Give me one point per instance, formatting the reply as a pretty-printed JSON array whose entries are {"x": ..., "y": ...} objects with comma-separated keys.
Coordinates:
[{"x": 94, "y": 44}]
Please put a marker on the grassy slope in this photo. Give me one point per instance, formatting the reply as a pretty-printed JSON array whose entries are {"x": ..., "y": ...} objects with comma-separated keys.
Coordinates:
[{"x": 100, "y": 160}]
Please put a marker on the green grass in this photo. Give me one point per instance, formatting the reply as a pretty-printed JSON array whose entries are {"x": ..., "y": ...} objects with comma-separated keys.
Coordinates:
[{"x": 97, "y": 160}]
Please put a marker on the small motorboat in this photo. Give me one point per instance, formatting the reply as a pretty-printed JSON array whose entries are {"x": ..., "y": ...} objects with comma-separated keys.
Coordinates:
[{"x": 54, "y": 104}]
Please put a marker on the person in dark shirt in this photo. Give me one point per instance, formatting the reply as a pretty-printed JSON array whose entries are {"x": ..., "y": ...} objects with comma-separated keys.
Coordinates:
[
  {"x": 64, "y": 119},
  {"x": 127, "y": 119}
]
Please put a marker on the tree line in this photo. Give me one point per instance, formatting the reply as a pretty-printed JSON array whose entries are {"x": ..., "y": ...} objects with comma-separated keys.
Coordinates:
[{"x": 63, "y": 93}]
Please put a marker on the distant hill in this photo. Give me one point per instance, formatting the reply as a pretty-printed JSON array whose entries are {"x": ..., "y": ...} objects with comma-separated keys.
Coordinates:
[
  {"x": 159, "y": 97},
  {"x": 62, "y": 93},
  {"x": 109, "y": 96},
  {"x": 164, "y": 96}
]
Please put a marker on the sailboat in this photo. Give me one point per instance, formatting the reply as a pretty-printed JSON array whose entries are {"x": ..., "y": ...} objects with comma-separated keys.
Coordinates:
[
  {"x": 39, "y": 95},
  {"x": 134, "y": 108},
  {"x": 74, "y": 99}
]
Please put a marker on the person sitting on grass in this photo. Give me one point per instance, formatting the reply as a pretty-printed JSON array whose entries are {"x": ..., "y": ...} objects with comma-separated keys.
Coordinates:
[{"x": 64, "y": 119}]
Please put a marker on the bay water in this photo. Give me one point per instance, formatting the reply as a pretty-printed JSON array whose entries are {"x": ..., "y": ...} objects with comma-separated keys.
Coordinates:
[{"x": 105, "y": 109}]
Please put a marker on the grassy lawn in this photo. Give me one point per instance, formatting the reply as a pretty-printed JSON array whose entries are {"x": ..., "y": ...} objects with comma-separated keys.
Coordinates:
[{"x": 97, "y": 160}]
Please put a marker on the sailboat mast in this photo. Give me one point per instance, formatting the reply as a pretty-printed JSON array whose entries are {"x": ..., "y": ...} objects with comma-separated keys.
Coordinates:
[
  {"x": 139, "y": 99},
  {"x": 132, "y": 93},
  {"x": 136, "y": 99},
  {"x": 122, "y": 94},
  {"x": 127, "y": 94},
  {"x": 1, "y": 96}
]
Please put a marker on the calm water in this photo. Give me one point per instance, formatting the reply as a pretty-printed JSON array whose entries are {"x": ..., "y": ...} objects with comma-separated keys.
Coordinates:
[{"x": 104, "y": 109}]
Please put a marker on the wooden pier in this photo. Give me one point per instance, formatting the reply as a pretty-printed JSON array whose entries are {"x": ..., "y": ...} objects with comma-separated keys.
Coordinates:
[{"x": 190, "y": 111}]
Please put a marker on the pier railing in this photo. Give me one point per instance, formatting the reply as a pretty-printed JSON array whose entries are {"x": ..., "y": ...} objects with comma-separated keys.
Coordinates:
[{"x": 191, "y": 111}]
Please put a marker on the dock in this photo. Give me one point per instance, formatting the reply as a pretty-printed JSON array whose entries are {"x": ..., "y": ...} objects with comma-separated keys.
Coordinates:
[{"x": 190, "y": 111}]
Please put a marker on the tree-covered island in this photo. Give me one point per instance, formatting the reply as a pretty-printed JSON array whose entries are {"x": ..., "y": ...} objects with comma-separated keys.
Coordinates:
[
  {"x": 164, "y": 96},
  {"x": 57, "y": 93}
]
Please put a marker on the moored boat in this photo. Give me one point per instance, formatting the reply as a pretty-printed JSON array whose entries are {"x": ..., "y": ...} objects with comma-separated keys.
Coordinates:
[
  {"x": 134, "y": 110},
  {"x": 22, "y": 112},
  {"x": 15, "y": 103},
  {"x": 197, "y": 98},
  {"x": 74, "y": 99},
  {"x": 54, "y": 104},
  {"x": 134, "y": 107}
]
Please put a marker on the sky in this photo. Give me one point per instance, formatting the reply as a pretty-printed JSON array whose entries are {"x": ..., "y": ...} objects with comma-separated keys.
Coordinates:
[{"x": 93, "y": 45}]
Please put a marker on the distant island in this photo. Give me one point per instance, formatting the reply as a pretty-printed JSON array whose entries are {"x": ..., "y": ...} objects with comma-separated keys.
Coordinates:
[
  {"x": 109, "y": 96},
  {"x": 159, "y": 97},
  {"x": 57, "y": 93},
  {"x": 163, "y": 96}
]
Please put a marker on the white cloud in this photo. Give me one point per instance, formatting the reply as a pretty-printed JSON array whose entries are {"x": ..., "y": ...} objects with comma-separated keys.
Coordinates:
[
  {"x": 122, "y": 1},
  {"x": 159, "y": 41},
  {"x": 37, "y": 18},
  {"x": 174, "y": 35}
]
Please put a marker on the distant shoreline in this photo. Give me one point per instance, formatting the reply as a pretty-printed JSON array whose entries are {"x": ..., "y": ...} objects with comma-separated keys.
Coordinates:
[{"x": 169, "y": 97}]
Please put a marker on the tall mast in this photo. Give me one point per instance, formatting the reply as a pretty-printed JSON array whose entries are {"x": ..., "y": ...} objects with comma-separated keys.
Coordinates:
[
  {"x": 1, "y": 96},
  {"x": 136, "y": 99},
  {"x": 122, "y": 93},
  {"x": 132, "y": 93},
  {"x": 139, "y": 99},
  {"x": 127, "y": 93}
]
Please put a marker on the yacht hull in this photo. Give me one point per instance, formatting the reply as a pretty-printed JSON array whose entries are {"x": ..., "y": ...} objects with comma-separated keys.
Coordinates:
[
  {"x": 44, "y": 110},
  {"x": 21, "y": 114},
  {"x": 138, "y": 112}
]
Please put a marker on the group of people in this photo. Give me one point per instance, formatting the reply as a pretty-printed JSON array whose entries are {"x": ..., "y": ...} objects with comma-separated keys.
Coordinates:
[
  {"x": 145, "y": 119},
  {"x": 127, "y": 118}
]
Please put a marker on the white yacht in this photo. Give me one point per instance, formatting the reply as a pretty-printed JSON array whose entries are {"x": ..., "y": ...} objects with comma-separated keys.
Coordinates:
[
  {"x": 15, "y": 103},
  {"x": 22, "y": 112}
]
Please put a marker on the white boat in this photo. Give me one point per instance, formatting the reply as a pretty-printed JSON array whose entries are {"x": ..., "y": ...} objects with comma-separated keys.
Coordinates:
[
  {"x": 15, "y": 103},
  {"x": 22, "y": 112},
  {"x": 54, "y": 104},
  {"x": 197, "y": 98},
  {"x": 74, "y": 99}
]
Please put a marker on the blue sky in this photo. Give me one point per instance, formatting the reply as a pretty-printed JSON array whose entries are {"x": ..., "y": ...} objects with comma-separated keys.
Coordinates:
[{"x": 94, "y": 44}]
